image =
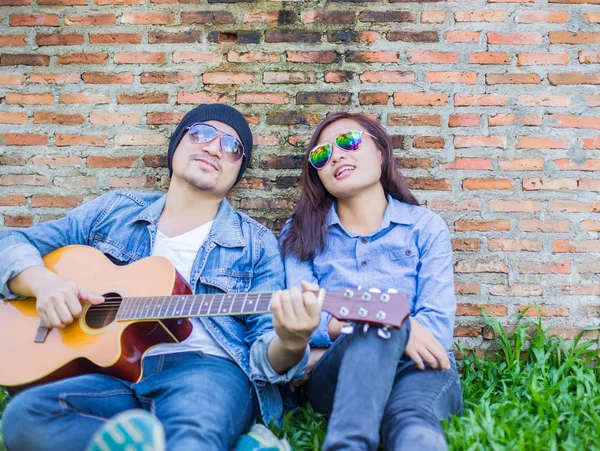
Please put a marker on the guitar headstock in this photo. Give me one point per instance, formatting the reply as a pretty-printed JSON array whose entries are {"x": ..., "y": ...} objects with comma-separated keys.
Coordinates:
[{"x": 381, "y": 309}]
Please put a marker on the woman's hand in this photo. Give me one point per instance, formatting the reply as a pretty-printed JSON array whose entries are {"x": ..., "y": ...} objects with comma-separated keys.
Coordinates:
[
  {"x": 423, "y": 346},
  {"x": 313, "y": 358}
]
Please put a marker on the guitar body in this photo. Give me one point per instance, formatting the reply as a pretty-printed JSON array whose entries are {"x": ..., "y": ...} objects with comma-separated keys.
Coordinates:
[{"x": 95, "y": 342}]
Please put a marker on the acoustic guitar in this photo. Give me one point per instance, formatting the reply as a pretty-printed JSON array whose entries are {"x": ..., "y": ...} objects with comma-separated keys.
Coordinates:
[{"x": 146, "y": 303}]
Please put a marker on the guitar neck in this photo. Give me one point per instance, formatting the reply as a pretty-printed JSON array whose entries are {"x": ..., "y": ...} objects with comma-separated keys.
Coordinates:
[{"x": 186, "y": 306}]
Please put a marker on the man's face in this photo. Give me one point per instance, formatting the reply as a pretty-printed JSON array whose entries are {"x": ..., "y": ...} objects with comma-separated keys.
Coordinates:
[{"x": 203, "y": 165}]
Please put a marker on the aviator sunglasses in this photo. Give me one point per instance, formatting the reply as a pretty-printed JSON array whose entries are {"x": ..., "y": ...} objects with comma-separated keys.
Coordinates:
[
  {"x": 231, "y": 147},
  {"x": 349, "y": 141}
]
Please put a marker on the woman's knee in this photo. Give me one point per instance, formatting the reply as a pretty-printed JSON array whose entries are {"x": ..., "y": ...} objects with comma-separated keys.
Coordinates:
[{"x": 20, "y": 422}]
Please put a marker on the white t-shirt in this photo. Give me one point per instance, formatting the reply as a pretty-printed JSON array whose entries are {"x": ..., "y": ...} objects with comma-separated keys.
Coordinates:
[{"x": 181, "y": 250}]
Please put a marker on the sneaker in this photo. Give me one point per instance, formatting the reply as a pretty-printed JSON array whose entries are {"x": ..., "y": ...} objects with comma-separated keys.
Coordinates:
[
  {"x": 260, "y": 438},
  {"x": 132, "y": 430}
]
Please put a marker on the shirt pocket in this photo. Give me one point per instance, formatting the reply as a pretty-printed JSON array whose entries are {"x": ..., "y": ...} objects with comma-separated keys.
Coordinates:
[
  {"x": 409, "y": 252},
  {"x": 227, "y": 280},
  {"x": 113, "y": 252}
]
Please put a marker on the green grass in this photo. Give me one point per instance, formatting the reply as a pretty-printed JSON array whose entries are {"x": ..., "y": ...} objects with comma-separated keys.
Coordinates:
[{"x": 530, "y": 391}]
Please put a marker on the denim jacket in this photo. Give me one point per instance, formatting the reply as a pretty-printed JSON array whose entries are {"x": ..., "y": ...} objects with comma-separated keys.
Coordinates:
[
  {"x": 239, "y": 255},
  {"x": 410, "y": 252}
]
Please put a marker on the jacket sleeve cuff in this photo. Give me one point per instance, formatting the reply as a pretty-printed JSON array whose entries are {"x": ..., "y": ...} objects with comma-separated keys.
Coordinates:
[
  {"x": 14, "y": 261},
  {"x": 320, "y": 337},
  {"x": 261, "y": 369}
]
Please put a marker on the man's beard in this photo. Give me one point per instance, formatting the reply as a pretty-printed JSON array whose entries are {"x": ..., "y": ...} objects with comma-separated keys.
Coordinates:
[{"x": 194, "y": 177}]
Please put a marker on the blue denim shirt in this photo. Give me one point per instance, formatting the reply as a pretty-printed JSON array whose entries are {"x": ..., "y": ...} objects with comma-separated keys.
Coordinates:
[
  {"x": 411, "y": 252},
  {"x": 239, "y": 255}
]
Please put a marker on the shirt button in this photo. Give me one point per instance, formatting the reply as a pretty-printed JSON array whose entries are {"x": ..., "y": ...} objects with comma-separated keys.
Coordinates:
[
  {"x": 363, "y": 240},
  {"x": 408, "y": 252},
  {"x": 363, "y": 263}
]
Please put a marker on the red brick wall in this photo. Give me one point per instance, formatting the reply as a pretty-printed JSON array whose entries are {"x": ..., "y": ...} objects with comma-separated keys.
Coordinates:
[{"x": 494, "y": 109}]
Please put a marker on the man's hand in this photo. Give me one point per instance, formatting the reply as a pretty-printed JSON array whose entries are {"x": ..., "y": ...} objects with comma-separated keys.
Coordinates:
[
  {"x": 313, "y": 358},
  {"x": 59, "y": 301},
  {"x": 423, "y": 346},
  {"x": 296, "y": 314}
]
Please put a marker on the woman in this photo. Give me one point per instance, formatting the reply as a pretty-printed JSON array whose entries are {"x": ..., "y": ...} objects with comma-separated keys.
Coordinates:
[{"x": 357, "y": 223}]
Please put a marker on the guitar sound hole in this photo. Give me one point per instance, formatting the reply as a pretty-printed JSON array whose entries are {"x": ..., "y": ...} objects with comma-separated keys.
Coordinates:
[{"x": 101, "y": 315}]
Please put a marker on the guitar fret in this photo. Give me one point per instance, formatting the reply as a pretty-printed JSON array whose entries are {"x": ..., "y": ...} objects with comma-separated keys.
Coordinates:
[
  {"x": 257, "y": 301},
  {"x": 134, "y": 309},
  {"x": 163, "y": 307},
  {"x": 244, "y": 303},
  {"x": 191, "y": 298},
  {"x": 199, "y": 304}
]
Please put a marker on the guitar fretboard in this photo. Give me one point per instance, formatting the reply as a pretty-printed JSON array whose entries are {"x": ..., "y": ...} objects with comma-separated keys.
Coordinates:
[{"x": 186, "y": 306}]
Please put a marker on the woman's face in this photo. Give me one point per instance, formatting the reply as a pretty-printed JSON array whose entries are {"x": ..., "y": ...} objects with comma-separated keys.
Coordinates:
[{"x": 349, "y": 172}]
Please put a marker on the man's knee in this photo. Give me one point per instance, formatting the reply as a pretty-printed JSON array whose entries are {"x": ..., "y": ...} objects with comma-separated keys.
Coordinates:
[
  {"x": 21, "y": 427},
  {"x": 408, "y": 427}
]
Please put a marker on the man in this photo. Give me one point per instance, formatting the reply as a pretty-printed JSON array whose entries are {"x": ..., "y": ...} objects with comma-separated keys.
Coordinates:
[{"x": 207, "y": 389}]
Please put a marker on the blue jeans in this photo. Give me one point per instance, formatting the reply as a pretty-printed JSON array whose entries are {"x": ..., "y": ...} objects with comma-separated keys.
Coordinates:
[
  {"x": 204, "y": 402},
  {"x": 365, "y": 386}
]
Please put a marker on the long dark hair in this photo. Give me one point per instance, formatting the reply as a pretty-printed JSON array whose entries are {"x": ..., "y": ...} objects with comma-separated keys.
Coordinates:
[{"x": 307, "y": 232}]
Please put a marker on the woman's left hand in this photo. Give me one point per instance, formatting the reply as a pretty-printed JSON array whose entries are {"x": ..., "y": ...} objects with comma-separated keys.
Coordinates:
[
  {"x": 313, "y": 358},
  {"x": 423, "y": 346}
]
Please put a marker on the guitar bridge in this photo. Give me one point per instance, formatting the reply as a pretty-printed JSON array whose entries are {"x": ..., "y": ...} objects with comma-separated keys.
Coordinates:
[{"x": 41, "y": 334}]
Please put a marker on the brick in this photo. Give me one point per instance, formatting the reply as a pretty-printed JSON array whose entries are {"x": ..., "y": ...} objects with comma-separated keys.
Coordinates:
[
  {"x": 461, "y": 142},
  {"x": 530, "y": 38},
  {"x": 38, "y": 200},
  {"x": 13, "y": 40},
  {"x": 569, "y": 165},
  {"x": 505, "y": 245},
  {"x": 7, "y": 59},
  {"x": 59, "y": 39},
  {"x": 82, "y": 58},
  {"x": 539, "y": 184},
  {"x": 522, "y": 164},
  {"x": 480, "y": 100},
  {"x": 292, "y": 36},
  {"x": 476, "y": 310},
  {"x": 323, "y": 98},
  {"x": 97, "y": 161},
  {"x": 489, "y": 58},
  {"x": 590, "y": 226},
  {"x": 487, "y": 184},
  {"x": 228, "y": 78},
  {"x": 500, "y": 120},
  {"x": 567, "y": 206},
  {"x": 57, "y": 160},
  {"x": 206, "y": 17},
  {"x": 41, "y": 117},
  {"x": 293, "y": 118},
  {"x": 464, "y": 36},
  {"x": 202, "y": 97},
  {"x": 289, "y": 77},
  {"x": 556, "y": 100},
  {"x": 140, "y": 140},
  {"x": 491, "y": 15},
  {"x": 18, "y": 221},
  {"x": 413, "y": 163},
  {"x": 429, "y": 183},
  {"x": 539, "y": 142},
  {"x": 148, "y": 18},
  {"x": 384, "y": 16},
  {"x": 414, "y": 120},
  {"x": 567, "y": 246},
  {"x": 589, "y": 57},
  {"x": 338, "y": 77},
  {"x": 86, "y": 20},
  {"x": 12, "y": 200},
  {"x": 481, "y": 164},
  {"x": 420, "y": 98},
  {"x": 464, "y": 120},
  {"x": 592, "y": 267},
  {"x": 155, "y": 161},
  {"x": 115, "y": 38},
  {"x": 33, "y": 20},
  {"x": 262, "y": 17},
  {"x": 372, "y": 57},
  {"x": 543, "y": 310},
  {"x": 580, "y": 290},
  {"x": 143, "y": 98},
  {"x": 373, "y": 98},
  {"x": 573, "y": 121},
  {"x": 433, "y": 57},
  {"x": 253, "y": 57},
  {"x": 467, "y": 331},
  {"x": 522, "y": 206},
  {"x": 129, "y": 182},
  {"x": 328, "y": 17},
  {"x": 589, "y": 185},
  {"x": 166, "y": 77},
  {"x": 544, "y": 268},
  {"x": 139, "y": 58},
  {"x": 573, "y": 78},
  {"x": 592, "y": 310},
  {"x": 536, "y": 225},
  {"x": 197, "y": 57},
  {"x": 592, "y": 17},
  {"x": 84, "y": 97},
  {"x": 12, "y": 79},
  {"x": 240, "y": 37},
  {"x": 590, "y": 143},
  {"x": 281, "y": 162},
  {"x": 274, "y": 98},
  {"x": 542, "y": 59},
  {"x": 75, "y": 182},
  {"x": 22, "y": 179},
  {"x": 433, "y": 16},
  {"x": 466, "y": 245},
  {"x": 13, "y": 98},
  {"x": 565, "y": 37},
  {"x": 184, "y": 37},
  {"x": 80, "y": 140},
  {"x": 387, "y": 77},
  {"x": 312, "y": 57},
  {"x": 469, "y": 78},
  {"x": 516, "y": 290},
  {"x": 13, "y": 118},
  {"x": 11, "y": 159},
  {"x": 505, "y": 79},
  {"x": 23, "y": 139},
  {"x": 104, "y": 78},
  {"x": 466, "y": 288},
  {"x": 114, "y": 118},
  {"x": 413, "y": 36},
  {"x": 349, "y": 36},
  {"x": 525, "y": 16},
  {"x": 428, "y": 142},
  {"x": 468, "y": 225},
  {"x": 70, "y": 78},
  {"x": 163, "y": 118},
  {"x": 531, "y": 120}
]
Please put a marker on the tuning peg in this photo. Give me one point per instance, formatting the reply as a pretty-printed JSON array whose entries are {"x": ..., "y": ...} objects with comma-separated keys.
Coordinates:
[
  {"x": 374, "y": 290},
  {"x": 392, "y": 290},
  {"x": 347, "y": 329},
  {"x": 384, "y": 332},
  {"x": 365, "y": 328}
]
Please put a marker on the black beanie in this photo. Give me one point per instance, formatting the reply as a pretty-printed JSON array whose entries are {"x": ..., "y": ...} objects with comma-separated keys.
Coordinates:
[{"x": 214, "y": 112}]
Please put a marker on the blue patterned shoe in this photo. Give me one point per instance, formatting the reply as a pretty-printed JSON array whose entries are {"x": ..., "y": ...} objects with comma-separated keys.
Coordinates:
[
  {"x": 132, "y": 430},
  {"x": 260, "y": 438}
]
